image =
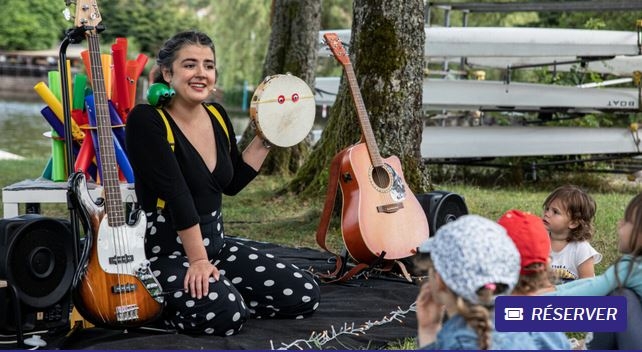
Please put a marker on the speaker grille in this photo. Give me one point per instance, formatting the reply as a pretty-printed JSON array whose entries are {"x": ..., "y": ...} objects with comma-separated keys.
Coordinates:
[
  {"x": 39, "y": 261},
  {"x": 442, "y": 207}
]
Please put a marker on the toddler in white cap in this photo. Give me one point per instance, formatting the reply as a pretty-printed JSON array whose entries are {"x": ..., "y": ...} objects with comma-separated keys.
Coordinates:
[{"x": 470, "y": 261}]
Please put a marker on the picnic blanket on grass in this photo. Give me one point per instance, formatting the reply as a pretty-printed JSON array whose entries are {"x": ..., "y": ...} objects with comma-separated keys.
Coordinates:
[{"x": 364, "y": 313}]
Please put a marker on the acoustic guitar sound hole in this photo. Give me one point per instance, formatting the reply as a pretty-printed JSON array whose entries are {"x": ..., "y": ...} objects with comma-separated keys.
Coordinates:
[{"x": 381, "y": 177}]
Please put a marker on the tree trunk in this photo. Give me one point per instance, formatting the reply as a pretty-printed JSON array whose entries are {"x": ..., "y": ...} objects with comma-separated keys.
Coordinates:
[
  {"x": 387, "y": 54},
  {"x": 293, "y": 49}
]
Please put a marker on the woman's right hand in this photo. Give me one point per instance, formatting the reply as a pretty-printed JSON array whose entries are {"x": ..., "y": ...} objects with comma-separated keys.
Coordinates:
[{"x": 197, "y": 277}]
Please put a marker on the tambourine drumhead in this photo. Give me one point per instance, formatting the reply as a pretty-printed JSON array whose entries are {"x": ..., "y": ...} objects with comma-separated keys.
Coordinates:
[{"x": 283, "y": 110}]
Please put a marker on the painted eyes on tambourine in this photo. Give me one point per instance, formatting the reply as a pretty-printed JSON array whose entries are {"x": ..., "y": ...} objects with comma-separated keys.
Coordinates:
[{"x": 294, "y": 98}]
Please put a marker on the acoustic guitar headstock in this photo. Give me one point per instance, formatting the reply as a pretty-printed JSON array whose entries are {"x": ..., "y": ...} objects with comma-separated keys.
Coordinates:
[{"x": 334, "y": 43}]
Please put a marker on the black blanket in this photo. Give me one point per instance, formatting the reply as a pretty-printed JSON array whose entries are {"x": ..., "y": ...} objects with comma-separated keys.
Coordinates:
[{"x": 365, "y": 313}]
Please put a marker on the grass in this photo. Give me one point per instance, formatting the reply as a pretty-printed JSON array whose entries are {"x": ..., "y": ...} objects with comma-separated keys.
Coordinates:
[{"x": 262, "y": 213}]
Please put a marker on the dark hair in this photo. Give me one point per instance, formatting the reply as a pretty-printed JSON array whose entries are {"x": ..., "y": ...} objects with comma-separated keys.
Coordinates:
[
  {"x": 167, "y": 53},
  {"x": 632, "y": 214},
  {"x": 580, "y": 207},
  {"x": 539, "y": 276}
]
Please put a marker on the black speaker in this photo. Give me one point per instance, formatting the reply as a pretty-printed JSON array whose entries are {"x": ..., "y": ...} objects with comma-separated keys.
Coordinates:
[
  {"x": 442, "y": 207},
  {"x": 36, "y": 262}
]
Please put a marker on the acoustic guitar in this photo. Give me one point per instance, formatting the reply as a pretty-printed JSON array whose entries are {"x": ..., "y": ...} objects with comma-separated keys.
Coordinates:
[
  {"x": 113, "y": 285},
  {"x": 381, "y": 217}
]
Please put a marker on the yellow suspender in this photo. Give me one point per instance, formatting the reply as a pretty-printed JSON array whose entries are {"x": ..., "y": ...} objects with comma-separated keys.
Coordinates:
[
  {"x": 160, "y": 204},
  {"x": 218, "y": 116}
]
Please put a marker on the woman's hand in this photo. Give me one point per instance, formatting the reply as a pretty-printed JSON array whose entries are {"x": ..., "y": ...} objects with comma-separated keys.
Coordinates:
[{"x": 197, "y": 277}]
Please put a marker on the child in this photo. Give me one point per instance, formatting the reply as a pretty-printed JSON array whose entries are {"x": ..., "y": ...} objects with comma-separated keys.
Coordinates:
[
  {"x": 469, "y": 261},
  {"x": 568, "y": 217},
  {"x": 531, "y": 238},
  {"x": 624, "y": 276}
]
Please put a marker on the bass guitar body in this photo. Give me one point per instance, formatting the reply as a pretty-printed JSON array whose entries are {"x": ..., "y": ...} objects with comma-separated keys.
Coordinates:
[
  {"x": 113, "y": 286},
  {"x": 381, "y": 218}
]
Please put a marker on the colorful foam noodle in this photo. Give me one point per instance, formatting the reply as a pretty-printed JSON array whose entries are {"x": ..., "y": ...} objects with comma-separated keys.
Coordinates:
[
  {"x": 120, "y": 92},
  {"x": 58, "y": 171},
  {"x": 58, "y": 127},
  {"x": 107, "y": 73},
  {"x": 106, "y": 69},
  {"x": 134, "y": 70},
  {"x": 56, "y": 106},
  {"x": 85, "y": 158},
  {"x": 117, "y": 125},
  {"x": 46, "y": 172},
  {"x": 69, "y": 81},
  {"x": 121, "y": 157},
  {"x": 78, "y": 101},
  {"x": 58, "y": 155}
]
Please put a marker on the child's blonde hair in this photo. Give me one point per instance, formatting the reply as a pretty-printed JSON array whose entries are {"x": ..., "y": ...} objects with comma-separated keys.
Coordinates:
[
  {"x": 580, "y": 207},
  {"x": 477, "y": 316}
]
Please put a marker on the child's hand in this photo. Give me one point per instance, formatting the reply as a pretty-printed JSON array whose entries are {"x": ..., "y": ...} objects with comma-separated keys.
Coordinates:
[{"x": 430, "y": 314}]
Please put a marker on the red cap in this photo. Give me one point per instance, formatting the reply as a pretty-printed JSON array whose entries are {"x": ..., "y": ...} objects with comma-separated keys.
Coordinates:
[{"x": 530, "y": 237}]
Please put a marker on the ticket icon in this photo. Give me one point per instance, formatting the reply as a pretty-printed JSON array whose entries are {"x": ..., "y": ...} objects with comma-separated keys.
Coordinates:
[{"x": 513, "y": 313}]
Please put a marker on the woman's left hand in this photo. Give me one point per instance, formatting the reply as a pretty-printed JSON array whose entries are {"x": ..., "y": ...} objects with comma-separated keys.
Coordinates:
[{"x": 198, "y": 276}]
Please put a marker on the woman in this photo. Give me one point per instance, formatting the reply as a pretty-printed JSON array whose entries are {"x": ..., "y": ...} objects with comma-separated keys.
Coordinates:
[{"x": 213, "y": 283}]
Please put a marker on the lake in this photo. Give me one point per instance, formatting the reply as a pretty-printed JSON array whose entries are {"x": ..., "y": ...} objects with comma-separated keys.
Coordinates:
[{"x": 21, "y": 129}]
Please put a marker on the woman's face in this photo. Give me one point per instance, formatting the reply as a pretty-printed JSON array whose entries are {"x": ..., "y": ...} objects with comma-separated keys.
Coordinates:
[{"x": 194, "y": 73}]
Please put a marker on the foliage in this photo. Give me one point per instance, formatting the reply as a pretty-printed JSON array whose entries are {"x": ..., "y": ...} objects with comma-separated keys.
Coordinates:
[
  {"x": 240, "y": 30},
  {"x": 148, "y": 23},
  {"x": 31, "y": 24}
]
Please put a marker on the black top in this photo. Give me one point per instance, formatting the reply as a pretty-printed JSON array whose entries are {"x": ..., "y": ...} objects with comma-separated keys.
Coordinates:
[{"x": 181, "y": 177}]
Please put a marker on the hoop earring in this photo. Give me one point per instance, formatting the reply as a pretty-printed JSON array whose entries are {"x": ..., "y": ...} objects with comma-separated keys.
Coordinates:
[{"x": 159, "y": 94}]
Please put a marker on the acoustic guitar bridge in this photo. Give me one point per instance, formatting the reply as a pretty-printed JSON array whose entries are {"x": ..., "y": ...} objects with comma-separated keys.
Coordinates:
[{"x": 389, "y": 208}]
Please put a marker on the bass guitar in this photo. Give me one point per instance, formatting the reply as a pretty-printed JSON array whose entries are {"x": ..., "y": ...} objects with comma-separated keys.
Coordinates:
[
  {"x": 381, "y": 217},
  {"x": 113, "y": 286}
]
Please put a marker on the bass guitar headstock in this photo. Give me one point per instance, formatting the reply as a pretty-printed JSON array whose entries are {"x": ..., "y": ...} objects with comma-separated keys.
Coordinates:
[{"x": 87, "y": 15}]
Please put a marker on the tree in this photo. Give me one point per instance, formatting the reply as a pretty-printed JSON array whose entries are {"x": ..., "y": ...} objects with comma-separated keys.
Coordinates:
[
  {"x": 31, "y": 24},
  {"x": 292, "y": 49},
  {"x": 387, "y": 53},
  {"x": 240, "y": 30},
  {"x": 148, "y": 24}
]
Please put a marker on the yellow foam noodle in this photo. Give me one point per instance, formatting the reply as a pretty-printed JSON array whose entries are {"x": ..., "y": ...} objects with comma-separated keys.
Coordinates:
[
  {"x": 106, "y": 62},
  {"x": 56, "y": 106},
  {"x": 69, "y": 82}
]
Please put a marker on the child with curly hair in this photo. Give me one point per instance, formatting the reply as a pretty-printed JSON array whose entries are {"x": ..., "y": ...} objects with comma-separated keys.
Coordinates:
[
  {"x": 623, "y": 278},
  {"x": 568, "y": 217}
]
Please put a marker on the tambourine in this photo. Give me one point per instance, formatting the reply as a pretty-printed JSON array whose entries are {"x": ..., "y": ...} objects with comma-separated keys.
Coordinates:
[{"x": 282, "y": 110}]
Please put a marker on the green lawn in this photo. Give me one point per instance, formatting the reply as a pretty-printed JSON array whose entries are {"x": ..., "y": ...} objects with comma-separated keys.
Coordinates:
[{"x": 261, "y": 212}]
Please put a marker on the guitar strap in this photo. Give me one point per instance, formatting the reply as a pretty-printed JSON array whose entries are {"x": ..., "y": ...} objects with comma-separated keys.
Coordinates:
[
  {"x": 337, "y": 275},
  {"x": 324, "y": 224},
  {"x": 160, "y": 204}
]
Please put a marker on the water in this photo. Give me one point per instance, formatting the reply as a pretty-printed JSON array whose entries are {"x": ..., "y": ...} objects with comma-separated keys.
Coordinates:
[{"x": 22, "y": 129}]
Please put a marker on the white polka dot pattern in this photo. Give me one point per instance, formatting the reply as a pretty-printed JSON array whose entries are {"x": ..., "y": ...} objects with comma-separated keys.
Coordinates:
[{"x": 252, "y": 283}]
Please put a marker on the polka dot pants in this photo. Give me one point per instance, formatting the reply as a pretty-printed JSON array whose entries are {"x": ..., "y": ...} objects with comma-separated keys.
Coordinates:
[{"x": 253, "y": 283}]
